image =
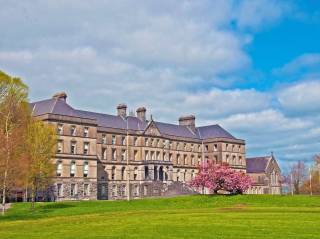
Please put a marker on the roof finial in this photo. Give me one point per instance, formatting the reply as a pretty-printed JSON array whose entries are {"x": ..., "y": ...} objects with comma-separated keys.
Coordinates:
[{"x": 151, "y": 118}]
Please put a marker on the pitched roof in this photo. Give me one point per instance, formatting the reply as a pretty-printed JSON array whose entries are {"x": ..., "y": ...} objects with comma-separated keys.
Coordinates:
[
  {"x": 59, "y": 106},
  {"x": 257, "y": 164},
  {"x": 213, "y": 131}
]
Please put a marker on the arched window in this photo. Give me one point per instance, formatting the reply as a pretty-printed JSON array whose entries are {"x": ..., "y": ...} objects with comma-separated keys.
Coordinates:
[
  {"x": 59, "y": 168},
  {"x": 72, "y": 169},
  {"x": 123, "y": 169},
  {"x": 85, "y": 169}
]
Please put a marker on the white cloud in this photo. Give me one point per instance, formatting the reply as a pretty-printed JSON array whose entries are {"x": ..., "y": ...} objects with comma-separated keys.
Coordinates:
[
  {"x": 305, "y": 61},
  {"x": 301, "y": 98},
  {"x": 170, "y": 56}
]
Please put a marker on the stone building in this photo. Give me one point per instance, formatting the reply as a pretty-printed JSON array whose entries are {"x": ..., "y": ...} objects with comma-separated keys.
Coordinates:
[
  {"x": 265, "y": 174},
  {"x": 99, "y": 155}
]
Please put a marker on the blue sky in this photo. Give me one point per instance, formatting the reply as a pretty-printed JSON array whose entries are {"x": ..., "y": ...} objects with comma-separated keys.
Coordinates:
[{"x": 252, "y": 66}]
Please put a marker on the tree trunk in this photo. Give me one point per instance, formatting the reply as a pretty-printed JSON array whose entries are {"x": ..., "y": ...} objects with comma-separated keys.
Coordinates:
[{"x": 4, "y": 183}]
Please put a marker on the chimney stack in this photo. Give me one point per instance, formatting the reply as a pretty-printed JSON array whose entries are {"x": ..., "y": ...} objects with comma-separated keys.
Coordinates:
[
  {"x": 122, "y": 110},
  {"x": 141, "y": 113},
  {"x": 60, "y": 95},
  {"x": 189, "y": 120}
]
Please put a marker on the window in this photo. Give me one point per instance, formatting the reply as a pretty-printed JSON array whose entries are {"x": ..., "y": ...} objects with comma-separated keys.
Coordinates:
[
  {"x": 145, "y": 190},
  {"x": 178, "y": 159},
  {"x": 123, "y": 155},
  {"x": 136, "y": 190},
  {"x": 239, "y": 148},
  {"x": 158, "y": 156},
  {"x": 59, "y": 190},
  {"x": 185, "y": 160},
  {"x": 178, "y": 175},
  {"x": 165, "y": 156},
  {"x": 227, "y": 146},
  {"x": 113, "y": 139},
  {"x": 60, "y": 129},
  {"x": 123, "y": 170},
  {"x": 60, "y": 146},
  {"x": 73, "y": 147},
  {"x": 86, "y": 148},
  {"x": 73, "y": 130},
  {"x": 72, "y": 169},
  {"x": 146, "y": 172},
  {"x": 170, "y": 144},
  {"x": 233, "y": 148},
  {"x": 85, "y": 169},
  {"x": 113, "y": 173},
  {"x": 86, "y": 191},
  {"x": 185, "y": 147},
  {"x": 153, "y": 156},
  {"x": 240, "y": 160},
  {"x": 135, "y": 173},
  {"x": 104, "y": 153},
  {"x": 123, "y": 140},
  {"x": 206, "y": 148},
  {"x": 114, "y": 154},
  {"x": 104, "y": 139},
  {"x": 227, "y": 158},
  {"x": 192, "y": 174},
  {"x": 114, "y": 191},
  {"x": 146, "y": 155},
  {"x": 215, "y": 159},
  {"x": 59, "y": 168},
  {"x": 135, "y": 152},
  {"x": 215, "y": 147},
  {"x": 73, "y": 190},
  {"x": 234, "y": 159},
  {"x": 135, "y": 140},
  {"x": 146, "y": 142},
  {"x": 86, "y": 132},
  {"x": 170, "y": 157},
  {"x": 192, "y": 160}
]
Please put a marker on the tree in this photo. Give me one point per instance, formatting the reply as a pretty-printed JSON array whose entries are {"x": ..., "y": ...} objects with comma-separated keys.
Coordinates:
[
  {"x": 40, "y": 148},
  {"x": 14, "y": 113},
  {"x": 216, "y": 177},
  {"x": 297, "y": 176}
]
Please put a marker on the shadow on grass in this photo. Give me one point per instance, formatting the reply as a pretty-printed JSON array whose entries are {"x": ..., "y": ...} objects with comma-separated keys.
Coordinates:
[{"x": 24, "y": 211}]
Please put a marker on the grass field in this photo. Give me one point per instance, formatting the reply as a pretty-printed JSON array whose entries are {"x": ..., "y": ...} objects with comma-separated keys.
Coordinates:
[{"x": 246, "y": 216}]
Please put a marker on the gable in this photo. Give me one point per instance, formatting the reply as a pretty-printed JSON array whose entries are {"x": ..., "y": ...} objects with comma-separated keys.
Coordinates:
[{"x": 152, "y": 130}]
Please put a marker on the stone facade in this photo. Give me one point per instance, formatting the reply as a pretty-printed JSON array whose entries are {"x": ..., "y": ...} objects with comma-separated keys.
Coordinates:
[
  {"x": 99, "y": 155},
  {"x": 265, "y": 174}
]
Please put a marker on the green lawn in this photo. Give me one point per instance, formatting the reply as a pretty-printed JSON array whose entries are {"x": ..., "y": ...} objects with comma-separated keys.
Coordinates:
[{"x": 246, "y": 216}]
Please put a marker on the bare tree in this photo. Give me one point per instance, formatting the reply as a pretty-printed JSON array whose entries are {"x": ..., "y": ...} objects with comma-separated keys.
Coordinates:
[{"x": 298, "y": 175}]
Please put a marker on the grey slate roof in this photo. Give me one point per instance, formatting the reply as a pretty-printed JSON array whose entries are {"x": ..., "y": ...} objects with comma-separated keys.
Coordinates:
[
  {"x": 60, "y": 107},
  {"x": 257, "y": 164}
]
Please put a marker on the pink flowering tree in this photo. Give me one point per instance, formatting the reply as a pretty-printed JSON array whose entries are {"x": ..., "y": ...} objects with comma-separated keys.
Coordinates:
[{"x": 216, "y": 177}]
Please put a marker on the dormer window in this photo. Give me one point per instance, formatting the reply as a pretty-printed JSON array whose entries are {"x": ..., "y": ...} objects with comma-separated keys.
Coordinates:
[
  {"x": 86, "y": 132},
  {"x": 73, "y": 130}
]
